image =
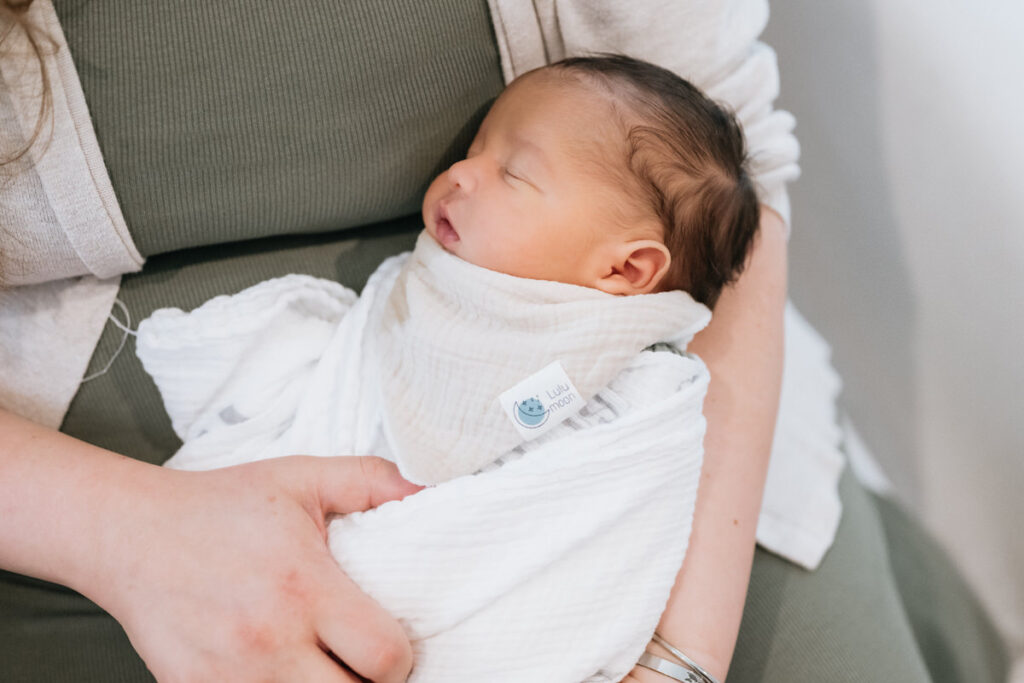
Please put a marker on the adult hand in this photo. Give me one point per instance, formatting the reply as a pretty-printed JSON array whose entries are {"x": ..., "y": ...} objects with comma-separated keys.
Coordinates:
[{"x": 230, "y": 576}]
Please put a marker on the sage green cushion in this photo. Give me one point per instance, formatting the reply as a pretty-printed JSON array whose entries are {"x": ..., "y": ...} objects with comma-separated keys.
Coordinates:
[{"x": 231, "y": 120}]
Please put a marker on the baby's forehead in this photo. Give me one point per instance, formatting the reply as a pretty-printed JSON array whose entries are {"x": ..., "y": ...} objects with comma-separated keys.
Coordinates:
[
  {"x": 558, "y": 89},
  {"x": 566, "y": 113}
]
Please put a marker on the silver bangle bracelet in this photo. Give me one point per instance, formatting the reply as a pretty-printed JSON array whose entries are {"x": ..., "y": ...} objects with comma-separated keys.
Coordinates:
[
  {"x": 667, "y": 668},
  {"x": 702, "y": 675}
]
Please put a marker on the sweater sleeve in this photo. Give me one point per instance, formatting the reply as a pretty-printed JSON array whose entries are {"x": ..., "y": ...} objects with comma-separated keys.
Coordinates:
[{"x": 712, "y": 43}]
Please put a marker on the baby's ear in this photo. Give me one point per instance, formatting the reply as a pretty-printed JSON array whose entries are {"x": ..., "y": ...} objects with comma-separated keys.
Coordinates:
[{"x": 638, "y": 268}]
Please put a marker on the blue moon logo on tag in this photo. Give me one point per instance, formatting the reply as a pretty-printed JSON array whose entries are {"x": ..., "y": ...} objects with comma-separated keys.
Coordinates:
[{"x": 531, "y": 413}]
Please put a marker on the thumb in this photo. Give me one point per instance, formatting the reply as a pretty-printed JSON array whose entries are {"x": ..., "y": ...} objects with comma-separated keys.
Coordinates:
[{"x": 350, "y": 484}]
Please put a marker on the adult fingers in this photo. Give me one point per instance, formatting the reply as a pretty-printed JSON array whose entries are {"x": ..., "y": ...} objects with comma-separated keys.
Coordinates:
[
  {"x": 362, "y": 634},
  {"x": 350, "y": 484}
]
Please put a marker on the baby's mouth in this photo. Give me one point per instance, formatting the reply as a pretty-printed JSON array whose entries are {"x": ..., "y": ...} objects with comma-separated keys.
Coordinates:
[{"x": 446, "y": 234}]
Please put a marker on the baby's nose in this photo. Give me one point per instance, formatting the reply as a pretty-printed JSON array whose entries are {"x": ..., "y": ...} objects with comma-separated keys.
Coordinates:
[{"x": 462, "y": 175}]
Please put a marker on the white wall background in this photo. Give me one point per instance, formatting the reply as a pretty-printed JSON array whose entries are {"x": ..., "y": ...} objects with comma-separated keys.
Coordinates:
[{"x": 908, "y": 253}]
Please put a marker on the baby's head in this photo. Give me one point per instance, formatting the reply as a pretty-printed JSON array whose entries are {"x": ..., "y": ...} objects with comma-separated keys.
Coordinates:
[{"x": 605, "y": 172}]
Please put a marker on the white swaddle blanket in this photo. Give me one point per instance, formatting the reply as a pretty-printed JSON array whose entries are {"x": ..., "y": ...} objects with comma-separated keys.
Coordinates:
[{"x": 546, "y": 559}]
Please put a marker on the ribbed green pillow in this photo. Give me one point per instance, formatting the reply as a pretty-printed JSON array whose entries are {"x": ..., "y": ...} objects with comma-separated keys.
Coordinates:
[{"x": 231, "y": 120}]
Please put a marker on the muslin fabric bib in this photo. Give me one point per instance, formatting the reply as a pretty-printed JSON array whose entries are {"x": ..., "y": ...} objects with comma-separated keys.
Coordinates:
[{"x": 451, "y": 337}]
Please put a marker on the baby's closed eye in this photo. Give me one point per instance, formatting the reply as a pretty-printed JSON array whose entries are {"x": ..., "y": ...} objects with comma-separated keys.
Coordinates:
[{"x": 515, "y": 177}]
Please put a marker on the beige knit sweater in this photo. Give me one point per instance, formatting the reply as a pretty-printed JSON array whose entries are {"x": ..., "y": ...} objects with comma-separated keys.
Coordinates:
[{"x": 64, "y": 240}]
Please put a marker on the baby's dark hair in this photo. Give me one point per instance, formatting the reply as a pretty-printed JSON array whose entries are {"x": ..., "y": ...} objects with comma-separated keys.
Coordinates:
[{"x": 687, "y": 154}]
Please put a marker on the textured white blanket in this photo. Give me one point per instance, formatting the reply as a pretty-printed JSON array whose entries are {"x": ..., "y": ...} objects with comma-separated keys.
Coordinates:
[{"x": 548, "y": 558}]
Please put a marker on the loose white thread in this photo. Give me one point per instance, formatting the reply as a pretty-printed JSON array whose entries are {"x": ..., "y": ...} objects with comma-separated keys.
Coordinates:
[{"x": 126, "y": 327}]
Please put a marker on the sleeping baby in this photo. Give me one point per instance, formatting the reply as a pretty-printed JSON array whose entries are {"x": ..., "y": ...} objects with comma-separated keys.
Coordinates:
[{"x": 526, "y": 361}]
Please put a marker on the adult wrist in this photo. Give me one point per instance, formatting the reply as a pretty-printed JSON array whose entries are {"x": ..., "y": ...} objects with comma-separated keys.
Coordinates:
[
  {"x": 100, "y": 535},
  {"x": 708, "y": 661},
  {"x": 113, "y": 554},
  {"x": 670, "y": 663},
  {"x": 55, "y": 494}
]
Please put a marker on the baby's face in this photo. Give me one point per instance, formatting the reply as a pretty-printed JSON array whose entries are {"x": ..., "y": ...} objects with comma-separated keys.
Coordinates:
[{"x": 527, "y": 199}]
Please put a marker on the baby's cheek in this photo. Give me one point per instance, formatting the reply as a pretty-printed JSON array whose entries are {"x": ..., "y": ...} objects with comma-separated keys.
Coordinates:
[
  {"x": 438, "y": 189},
  {"x": 480, "y": 248},
  {"x": 515, "y": 257},
  {"x": 486, "y": 252},
  {"x": 432, "y": 195}
]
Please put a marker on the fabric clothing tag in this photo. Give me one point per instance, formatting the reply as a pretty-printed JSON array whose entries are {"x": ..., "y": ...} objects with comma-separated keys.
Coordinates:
[{"x": 541, "y": 401}]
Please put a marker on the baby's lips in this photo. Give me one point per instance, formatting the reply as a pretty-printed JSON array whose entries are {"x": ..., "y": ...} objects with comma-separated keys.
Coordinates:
[{"x": 445, "y": 232}]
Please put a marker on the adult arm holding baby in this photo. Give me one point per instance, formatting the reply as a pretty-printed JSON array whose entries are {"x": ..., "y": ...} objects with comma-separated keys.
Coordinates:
[{"x": 742, "y": 347}]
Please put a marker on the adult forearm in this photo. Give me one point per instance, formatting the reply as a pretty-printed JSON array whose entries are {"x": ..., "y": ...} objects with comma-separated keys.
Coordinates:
[
  {"x": 743, "y": 348},
  {"x": 58, "y": 497}
]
